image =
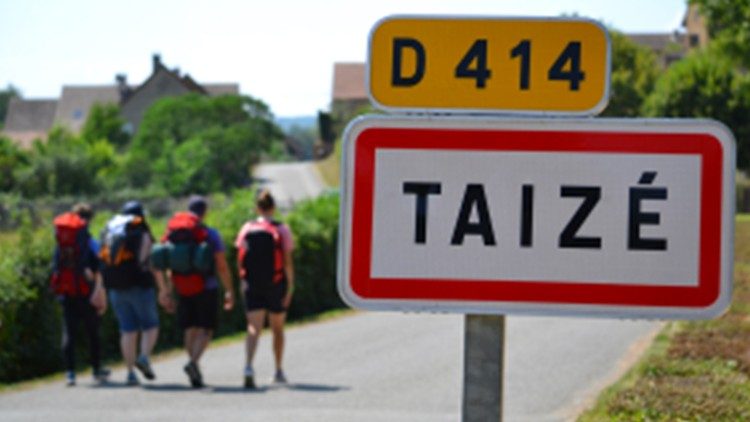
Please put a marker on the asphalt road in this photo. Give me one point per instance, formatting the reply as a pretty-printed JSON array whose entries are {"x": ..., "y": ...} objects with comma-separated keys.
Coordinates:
[
  {"x": 290, "y": 182},
  {"x": 364, "y": 367}
]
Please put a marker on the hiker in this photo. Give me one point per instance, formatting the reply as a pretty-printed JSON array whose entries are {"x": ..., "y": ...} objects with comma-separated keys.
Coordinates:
[
  {"x": 125, "y": 249},
  {"x": 266, "y": 268},
  {"x": 196, "y": 258},
  {"x": 76, "y": 282}
]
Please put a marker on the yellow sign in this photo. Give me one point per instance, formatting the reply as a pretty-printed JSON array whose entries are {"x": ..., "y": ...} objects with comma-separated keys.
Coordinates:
[{"x": 547, "y": 66}]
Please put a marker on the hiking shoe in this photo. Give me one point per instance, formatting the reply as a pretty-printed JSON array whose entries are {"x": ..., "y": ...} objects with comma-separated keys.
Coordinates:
[
  {"x": 249, "y": 379},
  {"x": 132, "y": 379},
  {"x": 144, "y": 366},
  {"x": 279, "y": 377},
  {"x": 70, "y": 379},
  {"x": 194, "y": 374},
  {"x": 102, "y": 375}
]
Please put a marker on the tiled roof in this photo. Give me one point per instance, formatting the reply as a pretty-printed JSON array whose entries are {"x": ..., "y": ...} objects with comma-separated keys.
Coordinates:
[
  {"x": 30, "y": 115},
  {"x": 222, "y": 89},
  {"x": 349, "y": 81},
  {"x": 657, "y": 42},
  {"x": 76, "y": 101}
]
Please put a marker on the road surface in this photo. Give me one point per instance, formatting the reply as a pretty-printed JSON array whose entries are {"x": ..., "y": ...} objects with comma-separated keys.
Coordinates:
[
  {"x": 363, "y": 367},
  {"x": 290, "y": 183}
]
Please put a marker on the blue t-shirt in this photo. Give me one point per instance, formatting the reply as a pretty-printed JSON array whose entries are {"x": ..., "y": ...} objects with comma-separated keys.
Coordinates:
[{"x": 217, "y": 245}]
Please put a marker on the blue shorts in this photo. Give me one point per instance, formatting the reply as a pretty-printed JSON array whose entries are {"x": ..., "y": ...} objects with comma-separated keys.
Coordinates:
[{"x": 135, "y": 308}]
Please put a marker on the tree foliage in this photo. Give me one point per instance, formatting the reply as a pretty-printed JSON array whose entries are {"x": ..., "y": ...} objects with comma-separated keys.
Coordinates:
[
  {"x": 5, "y": 96},
  {"x": 706, "y": 84},
  {"x": 12, "y": 159},
  {"x": 634, "y": 72},
  {"x": 104, "y": 122},
  {"x": 729, "y": 27},
  {"x": 196, "y": 143},
  {"x": 65, "y": 165}
]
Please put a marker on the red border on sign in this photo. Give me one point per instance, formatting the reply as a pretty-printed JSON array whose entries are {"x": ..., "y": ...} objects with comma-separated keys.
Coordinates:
[{"x": 707, "y": 147}]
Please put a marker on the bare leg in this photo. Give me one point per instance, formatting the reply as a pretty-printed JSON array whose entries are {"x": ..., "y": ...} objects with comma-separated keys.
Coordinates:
[
  {"x": 200, "y": 343},
  {"x": 190, "y": 335},
  {"x": 255, "y": 321},
  {"x": 148, "y": 341},
  {"x": 277, "y": 327},
  {"x": 128, "y": 344}
]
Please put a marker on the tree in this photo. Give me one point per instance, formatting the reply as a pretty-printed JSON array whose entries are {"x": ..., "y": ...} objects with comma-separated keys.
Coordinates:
[
  {"x": 196, "y": 143},
  {"x": 706, "y": 84},
  {"x": 104, "y": 122},
  {"x": 12, "y": 158},
  {"x": 65, "y": 165},
  {"x": 5, "y": 96},
  {"x": 729, "y": 27},
  {"x": 634, "y": 72}
]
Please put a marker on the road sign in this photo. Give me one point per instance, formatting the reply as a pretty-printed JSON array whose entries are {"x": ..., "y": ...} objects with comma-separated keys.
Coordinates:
[
  {"x": 470, "y": 65},
  {"x": 611, "y": 217}
]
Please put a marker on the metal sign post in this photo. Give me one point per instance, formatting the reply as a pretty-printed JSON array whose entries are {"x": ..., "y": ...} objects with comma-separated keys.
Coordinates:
[{"x": 484, "y": 357}]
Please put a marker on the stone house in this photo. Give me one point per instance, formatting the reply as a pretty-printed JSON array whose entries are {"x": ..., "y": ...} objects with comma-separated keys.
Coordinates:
[
  {"x": 673, "y": 46},
  {"x": 27, "y": 120}
]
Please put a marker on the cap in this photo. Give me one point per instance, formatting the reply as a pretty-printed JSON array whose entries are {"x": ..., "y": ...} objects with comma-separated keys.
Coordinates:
[
  {"x": 197, "y": 205},
  {"x": 132, "y": 208}
]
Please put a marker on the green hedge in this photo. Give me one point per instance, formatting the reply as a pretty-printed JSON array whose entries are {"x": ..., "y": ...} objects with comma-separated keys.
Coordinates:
[{"x": 30, "y": 318}]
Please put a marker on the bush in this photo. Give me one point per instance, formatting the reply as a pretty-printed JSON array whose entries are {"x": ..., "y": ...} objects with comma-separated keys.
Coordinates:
[{"x": 29, "y": 317}]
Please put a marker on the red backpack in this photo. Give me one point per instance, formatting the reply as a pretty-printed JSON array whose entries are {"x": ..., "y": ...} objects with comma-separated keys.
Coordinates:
[
  {"x": 187, "y": 239},
  {"x": 261, "y": 255},
  {"x": 72, "y": 238}
]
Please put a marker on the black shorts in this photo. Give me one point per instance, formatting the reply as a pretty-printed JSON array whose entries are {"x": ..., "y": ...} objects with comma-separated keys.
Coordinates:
[
  {"x": 201, "y": 310},
  {"x": 269, "y": 298}
]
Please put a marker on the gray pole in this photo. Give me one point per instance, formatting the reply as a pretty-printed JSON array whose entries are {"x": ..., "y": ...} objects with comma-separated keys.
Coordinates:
[{"x": 484, "y": 353}]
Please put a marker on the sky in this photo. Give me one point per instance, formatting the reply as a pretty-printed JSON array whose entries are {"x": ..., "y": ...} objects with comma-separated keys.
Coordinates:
[{"x": 280, "y": 51}]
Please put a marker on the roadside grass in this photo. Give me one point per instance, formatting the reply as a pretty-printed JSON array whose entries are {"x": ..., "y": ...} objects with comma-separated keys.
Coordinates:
[
  {"x": 696, "y": 370},
  {"x": 8, "y": 238},
  {"x": 329, "y": 167},
  {"x": 171, "y": 353}
]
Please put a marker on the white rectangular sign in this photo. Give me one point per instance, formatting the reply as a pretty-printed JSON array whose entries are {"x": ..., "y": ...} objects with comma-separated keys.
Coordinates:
[{"x": 597, "y": 217}]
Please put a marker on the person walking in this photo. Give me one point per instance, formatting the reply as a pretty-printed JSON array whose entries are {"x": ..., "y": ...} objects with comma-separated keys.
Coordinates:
[
  {"x": 197, "y": 263},
  {"x": 126, "y": 246},
  {"x": 266, "y": 268},
  {"x": 77, "y": 284}
]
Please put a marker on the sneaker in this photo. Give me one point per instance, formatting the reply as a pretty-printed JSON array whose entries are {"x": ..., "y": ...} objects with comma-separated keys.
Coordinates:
[
  {"x": 132, "y": 379},
  {"x": 194, "y": 374},
  {"x": 144, "y": 366},
  {"x": 249, "y": 379},
  {"x": 102, "y": 375},
  {"x": 279, "y": 377},
  {"x": 70, "y": 379}
]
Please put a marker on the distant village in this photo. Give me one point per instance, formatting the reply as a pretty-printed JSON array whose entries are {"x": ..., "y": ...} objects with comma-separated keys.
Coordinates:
[{"x": 30, "y": 119}]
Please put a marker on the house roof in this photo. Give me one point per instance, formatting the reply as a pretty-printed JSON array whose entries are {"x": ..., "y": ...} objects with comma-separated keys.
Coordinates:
[
  {"x": 76, "y": 101},
  {"x": 222, "y": 89},
  {"x": 30, "y": 115},
  {"x": 349, "y": 81},
  {"x": 657, "y": 41}
]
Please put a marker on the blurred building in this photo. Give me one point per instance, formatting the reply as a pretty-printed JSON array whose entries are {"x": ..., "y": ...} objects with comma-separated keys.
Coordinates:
[
  {"x": 348, "y": 99},
  {"x": 27, "y": 120},
  {"x": 673, "y": 46}
]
